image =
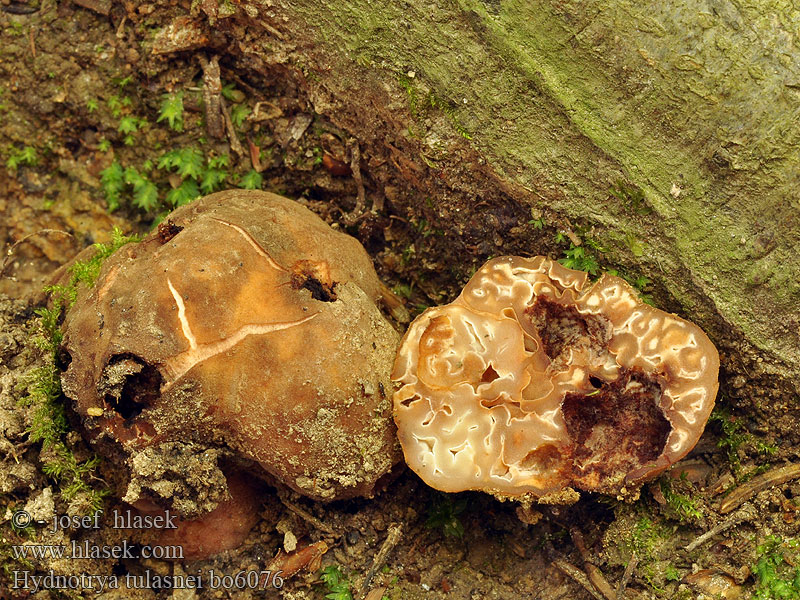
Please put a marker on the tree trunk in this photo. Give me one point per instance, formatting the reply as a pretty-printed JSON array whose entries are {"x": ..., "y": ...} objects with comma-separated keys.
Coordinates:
[{"x": 666, "y": 133}]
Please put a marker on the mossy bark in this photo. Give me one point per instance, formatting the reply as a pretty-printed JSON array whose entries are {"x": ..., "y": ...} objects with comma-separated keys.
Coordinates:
[{"x": 694, "y": 105}]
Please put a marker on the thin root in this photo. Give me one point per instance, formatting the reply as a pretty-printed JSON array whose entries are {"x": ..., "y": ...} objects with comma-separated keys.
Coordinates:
[
  {"x": 595, "y": 575},
  {"x": 395, "y": 534},
  {"x": 578, "y": 576},
  {"x": 745, "y": 513},
  {"x": 361, "y": 198},
  {"x": 626, "y": 577},
  {"x": 305, "y": 515}
]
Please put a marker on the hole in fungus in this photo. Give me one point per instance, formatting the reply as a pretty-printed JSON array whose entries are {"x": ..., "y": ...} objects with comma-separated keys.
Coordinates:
[
  {"x": 596, "y": 382},
  {"x": 616, "y": 429},
  {"x": 561, "y": 327},
  {"x": 319, "y": 291},
  {"x": 129, "y": 385},
  {"x": 168, "y": 230},
  {"x": 63, "y": 358},
  {"x": 314, "y": 277},
  {"x": 409, "y": 401},
  {"x": 489, "y": 375}
]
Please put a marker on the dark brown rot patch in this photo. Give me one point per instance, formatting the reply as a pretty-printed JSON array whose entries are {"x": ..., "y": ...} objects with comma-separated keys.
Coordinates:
[
  {"x": 615, "y": 429},
  {"x": 320, "y": 290},
  {"x": 168, "y": 230},
  {"x": 561, "y": 326}
]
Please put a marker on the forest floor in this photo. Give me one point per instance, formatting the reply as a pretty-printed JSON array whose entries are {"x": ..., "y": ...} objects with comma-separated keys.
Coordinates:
[{"x": 97, "y": 130}]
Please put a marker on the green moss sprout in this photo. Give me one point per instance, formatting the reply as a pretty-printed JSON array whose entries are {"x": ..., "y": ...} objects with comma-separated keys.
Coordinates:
[
  {"x": 172, "y": 111},
  {"x": 736, "y": 440},
  {"x": 336, "y": 583},
  {"x": 443, "y": 514},
  {"x": 775, "y": 570}
]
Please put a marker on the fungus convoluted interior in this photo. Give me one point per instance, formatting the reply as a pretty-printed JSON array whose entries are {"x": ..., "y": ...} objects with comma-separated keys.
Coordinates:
[
  {"x": 533, "y": 382},
  {"x": 246, "y": 325}
]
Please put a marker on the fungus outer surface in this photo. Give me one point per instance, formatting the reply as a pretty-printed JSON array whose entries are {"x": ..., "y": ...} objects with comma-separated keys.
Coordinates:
[
  {"x": 533, "y": 381},
  {"x": 251, "y": 326}
]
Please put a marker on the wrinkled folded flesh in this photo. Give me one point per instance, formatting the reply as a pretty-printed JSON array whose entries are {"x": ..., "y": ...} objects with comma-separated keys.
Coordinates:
[{"x": 532, "y": 381}]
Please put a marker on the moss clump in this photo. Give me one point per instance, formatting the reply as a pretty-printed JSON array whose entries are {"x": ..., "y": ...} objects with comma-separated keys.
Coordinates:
[
  {"x": 682, "y": 505},
  {"x": 336, "y": 583},
  {"x": 736, "y": 441},
  {"x": 48, "y": 419},
  {"x": 776, "y": 575},
  {"x": 639, "y": 535},
  {"x": 443, "y": 514}
]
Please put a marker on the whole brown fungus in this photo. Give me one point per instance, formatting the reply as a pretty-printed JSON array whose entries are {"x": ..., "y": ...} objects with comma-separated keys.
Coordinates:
[
  {"x": 534, "y": 382},
  {"x": 247, "y": 326}
]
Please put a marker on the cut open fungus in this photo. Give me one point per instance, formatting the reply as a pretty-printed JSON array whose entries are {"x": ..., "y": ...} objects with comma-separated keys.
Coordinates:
[{"x": 533, "y": 382}]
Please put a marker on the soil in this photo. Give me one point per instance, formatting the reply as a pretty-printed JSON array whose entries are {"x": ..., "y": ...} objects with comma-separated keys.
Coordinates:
[{"x": 69, "y": 75}]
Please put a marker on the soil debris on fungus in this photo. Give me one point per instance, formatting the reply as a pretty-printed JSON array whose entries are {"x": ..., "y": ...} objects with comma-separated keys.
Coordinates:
[
  {"x": 206, "y": 336},
  {"x": 533, "y": 382}
]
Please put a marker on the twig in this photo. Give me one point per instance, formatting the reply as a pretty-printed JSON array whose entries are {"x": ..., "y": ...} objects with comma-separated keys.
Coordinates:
[
  {"x": 744, "y": 513},
  {"x": 236, "y": 145},
  {"x": 592, "y": 571},
  {"x": 578, "y": 575},
  {"x": 271, "y": 29},
  {"x": 255, "y": 156},
  {"x": 393, "y": 537},
  {"x": 394, "y": 305},
  {"x": 212, "y": 97},
  {"x": 121, "y": 34},
  {"x": 257, "y": 116},
  {"x": 758, "y": 484},
  {"x": 355, "y": 167},
  {"x": 10, "y": 252},
  {"x": 626, "y": 576},
  {"x": 33, "y": 45},
  {"x": 306, "y": 516}
]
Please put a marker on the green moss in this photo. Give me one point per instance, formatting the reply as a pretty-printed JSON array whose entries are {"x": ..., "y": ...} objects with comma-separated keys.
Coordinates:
[
  {"x": 639, "y": 534},
  {"x": 681, "y": 505},
  {"x": 631, "y": 196},
  {"x": 645, "y": 537},
  {"x": 443, "y": 514},
  {"x": 449, "y": 110},
  {"x": 86, "y": 271},
  {"x": 336, "y": 583},
  {"x": 736, "y": 440},
  {"x": 172, "y": 110},
  {"x": 578, "y": 257},
  {"x": 24, "y": 156},
  {"x": 776, "y": 575},
  {"x": 576, "y": 98},
  {"x": 48, "y": 421}
]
